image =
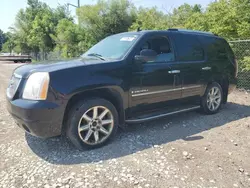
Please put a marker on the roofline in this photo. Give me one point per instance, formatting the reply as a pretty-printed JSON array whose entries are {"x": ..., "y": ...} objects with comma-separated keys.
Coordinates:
[{"x": 174, "y": 30}]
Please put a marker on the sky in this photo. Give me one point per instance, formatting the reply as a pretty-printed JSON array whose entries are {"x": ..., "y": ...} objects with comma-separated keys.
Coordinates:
[{"x": 9, "y": 8}]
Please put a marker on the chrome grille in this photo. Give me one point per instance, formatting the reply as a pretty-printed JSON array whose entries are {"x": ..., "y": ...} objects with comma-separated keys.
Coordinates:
[{"x": 13, "y": 85}]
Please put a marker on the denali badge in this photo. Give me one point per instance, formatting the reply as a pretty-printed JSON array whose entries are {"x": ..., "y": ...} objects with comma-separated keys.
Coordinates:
[{"x": 139, "y": 91}]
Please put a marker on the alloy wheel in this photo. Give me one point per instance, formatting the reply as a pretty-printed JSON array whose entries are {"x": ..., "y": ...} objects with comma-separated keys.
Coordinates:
[
  {"x": 214, "y": 98},
  {"x": 96, "y": 125}
]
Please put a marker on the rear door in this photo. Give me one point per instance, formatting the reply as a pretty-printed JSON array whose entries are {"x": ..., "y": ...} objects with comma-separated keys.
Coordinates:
[
  {"x": 192, "y": 64},
  {"x": 220, "y": 59}
]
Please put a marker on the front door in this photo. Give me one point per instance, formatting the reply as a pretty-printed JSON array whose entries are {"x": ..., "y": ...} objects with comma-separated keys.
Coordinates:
[{"x": 154, "y": 83}]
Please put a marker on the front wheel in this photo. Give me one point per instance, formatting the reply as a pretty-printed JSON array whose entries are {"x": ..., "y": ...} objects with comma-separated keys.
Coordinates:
[
  {"x": 212, "y": 99},
  {"x": 92, "y": 123}
]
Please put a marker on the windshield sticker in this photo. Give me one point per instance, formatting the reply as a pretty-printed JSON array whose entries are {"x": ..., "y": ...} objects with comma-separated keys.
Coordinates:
[{"x": 129, "y": 39}]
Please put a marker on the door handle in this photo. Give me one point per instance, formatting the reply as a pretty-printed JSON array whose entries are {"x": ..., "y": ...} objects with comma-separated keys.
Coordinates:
[
  {"x": 206, "y": 68},
  {"x": 174, "y": 72}
]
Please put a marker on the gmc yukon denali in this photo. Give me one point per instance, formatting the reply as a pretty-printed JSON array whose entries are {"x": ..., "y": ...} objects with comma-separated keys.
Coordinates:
[{"x": 126, "y": 78}]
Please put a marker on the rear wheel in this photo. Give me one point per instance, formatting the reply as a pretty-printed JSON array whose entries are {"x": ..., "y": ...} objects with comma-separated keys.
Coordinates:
[
  {"x": 212, "y": 99},
  {"x": 92, "y": 123}
]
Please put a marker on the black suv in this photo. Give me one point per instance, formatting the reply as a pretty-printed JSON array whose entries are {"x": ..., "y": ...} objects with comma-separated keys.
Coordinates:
[{"x": 130, "y": 77}]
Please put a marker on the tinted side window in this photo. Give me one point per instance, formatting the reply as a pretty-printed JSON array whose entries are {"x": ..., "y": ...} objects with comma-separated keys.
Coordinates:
[
  {"x": 189, "y": 48},
  {"x": 216, "y": 48},
  {"x": 162, "y": 47}
]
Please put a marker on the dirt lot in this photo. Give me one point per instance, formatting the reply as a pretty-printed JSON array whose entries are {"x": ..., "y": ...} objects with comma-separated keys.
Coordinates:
[{"x": 187, "y": 150}]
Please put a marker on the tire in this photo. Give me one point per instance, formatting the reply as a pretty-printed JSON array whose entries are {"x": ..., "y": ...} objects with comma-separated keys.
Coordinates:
[
  {"x": 82, "y": 127},
  {"x": 212, "y": 99}
]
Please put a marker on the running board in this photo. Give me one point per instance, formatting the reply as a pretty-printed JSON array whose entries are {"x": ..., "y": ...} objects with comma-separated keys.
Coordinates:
[{"x": 140, "y": 120}]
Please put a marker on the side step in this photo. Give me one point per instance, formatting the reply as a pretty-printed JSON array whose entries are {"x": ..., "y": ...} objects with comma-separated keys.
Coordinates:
[{"x": 158, "y": 115}]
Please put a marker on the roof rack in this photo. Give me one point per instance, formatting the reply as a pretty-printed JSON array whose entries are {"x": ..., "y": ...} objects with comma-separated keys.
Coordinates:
[{"x": 191, "y": 31}]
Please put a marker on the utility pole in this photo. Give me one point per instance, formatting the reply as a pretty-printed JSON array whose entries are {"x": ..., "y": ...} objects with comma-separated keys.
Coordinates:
[{"x": 76, "y": 6}]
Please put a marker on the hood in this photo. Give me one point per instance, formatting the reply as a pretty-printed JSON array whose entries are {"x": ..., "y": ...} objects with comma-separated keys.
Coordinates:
[{"x": 51, "y": 66}]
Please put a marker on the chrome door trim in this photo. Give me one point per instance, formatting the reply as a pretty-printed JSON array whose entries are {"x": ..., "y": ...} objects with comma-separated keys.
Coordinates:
[
  {"x": 192, "y": 87},
  {"x": 174, "y": 72},
  {"x": 156, "y": 92},
  {"x": 161, "y": 115},
  {"x": 206, "y": 68},
  {"x": 164, "y": 91}
]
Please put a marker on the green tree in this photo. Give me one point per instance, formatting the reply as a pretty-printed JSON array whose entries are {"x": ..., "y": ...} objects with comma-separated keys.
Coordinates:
[
  {"x": 39, "y": 28},
  {"x": 9, "y": 43},
  {"x": 246, "y": 63},
  {"x": 241, "y": 10},
  {"x": 227, "y": 18},
  {"x": 181, "y": 14},
  {"x": 36, "y": 24},
  {"x": 197, "y": 21},
  {"x": 68, "y": 36},
  {"x": 1, "y": 39},
  {"x": 221, "y": 19},
  {"x": 24, "y": 26},
  {"x": 106, "y": 18},
  {"x": 146, "y": 19}
]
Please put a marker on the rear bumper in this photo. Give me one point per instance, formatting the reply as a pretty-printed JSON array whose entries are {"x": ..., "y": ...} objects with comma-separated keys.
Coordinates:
[{"x": 39, "y": 118}]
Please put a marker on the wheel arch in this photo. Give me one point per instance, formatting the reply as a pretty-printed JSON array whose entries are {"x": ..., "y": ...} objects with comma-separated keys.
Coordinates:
[
  {"x": 110, "y": 94},
  {"x": 223, "y": 81}
]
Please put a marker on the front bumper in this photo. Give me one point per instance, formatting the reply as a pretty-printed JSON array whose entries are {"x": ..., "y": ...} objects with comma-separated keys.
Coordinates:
[{"x": 39, "y": 118}]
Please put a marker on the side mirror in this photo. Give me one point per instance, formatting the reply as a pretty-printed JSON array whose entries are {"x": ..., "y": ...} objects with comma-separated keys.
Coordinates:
[{"x": 146, "y": 56}]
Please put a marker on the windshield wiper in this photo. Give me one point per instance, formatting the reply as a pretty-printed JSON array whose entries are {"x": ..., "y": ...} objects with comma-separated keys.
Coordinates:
[{"x": 97, "y": 55}]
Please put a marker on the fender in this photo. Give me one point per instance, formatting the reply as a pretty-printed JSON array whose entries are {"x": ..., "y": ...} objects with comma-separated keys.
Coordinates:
[{"x": 99, "y": 81}]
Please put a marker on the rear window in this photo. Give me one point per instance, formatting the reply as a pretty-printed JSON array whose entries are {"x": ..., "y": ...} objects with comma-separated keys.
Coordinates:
[
  {"x": 188, "y": 48},
  {"x": 217, "y": 49},
  {"x": 230, "y": 52}
]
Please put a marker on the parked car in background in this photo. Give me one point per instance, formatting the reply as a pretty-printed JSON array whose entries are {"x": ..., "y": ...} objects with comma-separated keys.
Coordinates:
[
  {"x": 15, "y": 58},
  {"x": 5, "y": 54},
  {"x": 130, "y": 77}
]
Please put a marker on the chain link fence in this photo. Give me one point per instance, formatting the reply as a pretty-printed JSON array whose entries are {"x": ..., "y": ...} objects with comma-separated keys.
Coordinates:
[
  {"x": 46, "y": 56},
  {"x": 241, "y": 50}
]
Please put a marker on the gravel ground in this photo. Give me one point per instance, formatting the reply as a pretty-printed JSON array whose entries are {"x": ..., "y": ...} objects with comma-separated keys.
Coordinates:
[{"x": 187, "y": 150}]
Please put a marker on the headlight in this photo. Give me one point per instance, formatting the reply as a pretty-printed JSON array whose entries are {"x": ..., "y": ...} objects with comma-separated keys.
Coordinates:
[
  {"x": 13, "y": 85},
  {"x": 36, "y": 87}
]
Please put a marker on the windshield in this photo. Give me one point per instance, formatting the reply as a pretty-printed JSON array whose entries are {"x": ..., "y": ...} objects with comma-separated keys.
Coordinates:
[{"x": 113, "y": 47}]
